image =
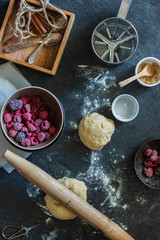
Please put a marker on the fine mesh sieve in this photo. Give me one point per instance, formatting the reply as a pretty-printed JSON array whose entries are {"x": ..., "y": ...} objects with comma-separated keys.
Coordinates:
[{"x": 115, "y": 39}]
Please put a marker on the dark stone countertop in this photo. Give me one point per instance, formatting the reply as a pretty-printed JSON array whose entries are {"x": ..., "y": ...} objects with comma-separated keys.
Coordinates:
[{"x": 113, "y": 187}]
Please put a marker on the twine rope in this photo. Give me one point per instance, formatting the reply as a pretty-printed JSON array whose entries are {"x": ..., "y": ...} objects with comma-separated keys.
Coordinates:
[{"x": 22, "y": 26}]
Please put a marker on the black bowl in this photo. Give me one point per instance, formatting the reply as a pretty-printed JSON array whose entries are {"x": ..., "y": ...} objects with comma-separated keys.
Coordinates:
[{"x": 154, "y": 181}]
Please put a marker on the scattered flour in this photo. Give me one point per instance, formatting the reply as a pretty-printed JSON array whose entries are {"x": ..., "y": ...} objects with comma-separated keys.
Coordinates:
[
  {"x": 51, "y": 236},
  {"x": 32, "y": 190},
  {"x": 48, "y": 220},
  {"x": 97, "y": 174},
  {"x": 98, "y": 88}
]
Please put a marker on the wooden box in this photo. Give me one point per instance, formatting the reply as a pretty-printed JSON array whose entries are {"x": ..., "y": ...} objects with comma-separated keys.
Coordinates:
[{"x": 49, "y": 57}]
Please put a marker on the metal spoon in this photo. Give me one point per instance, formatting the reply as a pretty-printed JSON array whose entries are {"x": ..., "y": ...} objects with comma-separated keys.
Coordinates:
[
  {"x": 149, "y": 70},
  {"x": 53, "y": 39}
]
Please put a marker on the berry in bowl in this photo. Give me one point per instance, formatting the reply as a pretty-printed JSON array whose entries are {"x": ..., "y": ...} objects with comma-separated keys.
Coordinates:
[
  {"x": 32, "y": 118},
  {"x": 147, "y": 163}
]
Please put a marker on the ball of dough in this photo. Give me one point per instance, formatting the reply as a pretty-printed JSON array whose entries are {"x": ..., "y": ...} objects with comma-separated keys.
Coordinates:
[
  {"x": 95, "y": 131},
  {"x": 57, "y": 209}
]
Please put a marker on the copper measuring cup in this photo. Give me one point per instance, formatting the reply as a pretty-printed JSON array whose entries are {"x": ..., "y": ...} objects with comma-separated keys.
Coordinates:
[{"x": 115, "y": 39}]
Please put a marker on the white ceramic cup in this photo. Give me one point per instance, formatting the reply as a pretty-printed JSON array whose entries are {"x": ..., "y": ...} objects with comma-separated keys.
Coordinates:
[
  {"x": 147, "y": 60},
  {"x": 125, "y": 108}
]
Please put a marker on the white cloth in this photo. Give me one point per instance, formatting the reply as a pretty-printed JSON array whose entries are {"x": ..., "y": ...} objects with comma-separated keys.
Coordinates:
[{"x": 10, "y": 80}]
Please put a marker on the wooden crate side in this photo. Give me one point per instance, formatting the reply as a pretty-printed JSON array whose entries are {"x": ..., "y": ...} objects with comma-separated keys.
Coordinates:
[
  {"x": 5, "y": 21},
  {"x": 63, "y": 44}
]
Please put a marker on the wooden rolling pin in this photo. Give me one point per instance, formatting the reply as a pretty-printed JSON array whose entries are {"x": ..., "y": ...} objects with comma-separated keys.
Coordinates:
[{"x": 66, "y": 197}]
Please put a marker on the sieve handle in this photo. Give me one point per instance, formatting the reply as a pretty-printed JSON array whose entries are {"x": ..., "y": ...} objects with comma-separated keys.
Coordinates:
[{"x": 124, "y": 7}]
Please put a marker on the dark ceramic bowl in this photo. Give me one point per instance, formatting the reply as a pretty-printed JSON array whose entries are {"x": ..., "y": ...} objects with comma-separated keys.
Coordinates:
[
  {"x": 154, "y": 181},
  {"x": 53, "y": 104}
]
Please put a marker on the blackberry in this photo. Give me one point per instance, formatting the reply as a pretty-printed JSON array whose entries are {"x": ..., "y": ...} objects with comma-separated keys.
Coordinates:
[
  {"x": 15, "y": 104},
  {"x": 20, "y": 136}
]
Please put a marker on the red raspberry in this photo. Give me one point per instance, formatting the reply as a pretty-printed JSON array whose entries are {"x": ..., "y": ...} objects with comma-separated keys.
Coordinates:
[
  {"x": 18, "y": 112},
  {"x": 12, "y": 133},
  {"x": 12, "y": 113},
  {"x": 42, "y": 108},
  {"x": 33, "y": 117},
  {"x": 34, "y": 134},
  {"x": 24, "y": 129},
  {"x": 25, "y": 99},
  {"x": 148, "y": 152},
  {"x": 45, "y": 125},
  {"x": 38, "y": 130},
  {"x": 9, "y": 125},
  {"x": 38, "y": 122},
  {"x": 7, "y": 117},
  {"x": 17, "y": 126},
  {"x": 43, "y": 115},
  {"x": 52, "y": 130},
  {"x": 27, "y": 107},
  {"x": 47, "y": 135},
  {"x": 148, "y": 172},
  {"x": 17, "y": 118},
  {"x": 26, "y": 142},
  {"x": 31, "y": 127},
  {"x": 36, "y": 99},
  {"x": 41, "y": 136},
  {"x": 27, "y": 116},
  {"x": 29, "y": 134},
  {"x": 33, "y": 108},
  {"x": 34, "y": 141}
]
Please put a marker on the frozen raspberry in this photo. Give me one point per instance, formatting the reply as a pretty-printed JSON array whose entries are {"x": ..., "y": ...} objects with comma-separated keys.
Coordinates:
[
  {"x": 25, "y": 99},
  {"x": 147, "y": 163},
  {"x": 27, "y": 107},
  {"x": 148, "y": 152},
  {"x": 47, "y": 135},
  {"x": 33, "y": 108},
  {"x": 148, "y": 172},
  {"x": 12, "y": 113},
  {"x": 31, "y": 127},
  {"x": 24, "y": 129},
  {"x": 45, "y": 125},
  {"x": 34, "y": 134},
  {"x": 153, "y": 158},
  {"x": 17, "y": 118},
  {"x": 29, "y": 134},
  {"x": 154, "y": 153},
  {"x": 9, "y": 125},
  {"x": 12, "y": 133},
  {"x": 33, "y": 117},
  {"x": 38, "y": 122},
  {"x": 18, "y": 112},
  {"x": 38, "y": 130},
  {"x": 34, "y": 141},
  {"x": 20, "y": 136},
  {"x": 52, "y": 130},
  {"x": 43, "y": 115},
  {"x": 26, "y": 142},
  {"x": 17, "y": 126},
  {"x": 27, "y": 116},
  {"x": 7, "y": 117},
  {"x": 42, "y": 108},
  {"x": 36, "y": 99},
  {"x": 41, "y": 136},
  {"x": 16, "y": 104}
]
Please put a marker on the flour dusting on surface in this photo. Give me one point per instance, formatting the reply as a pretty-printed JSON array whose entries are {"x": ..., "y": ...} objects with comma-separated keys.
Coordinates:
[
  {"x": 32, "y": 190},
  {"x": 51, "y": 236},
  {"x": 98, "y": 88}
]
